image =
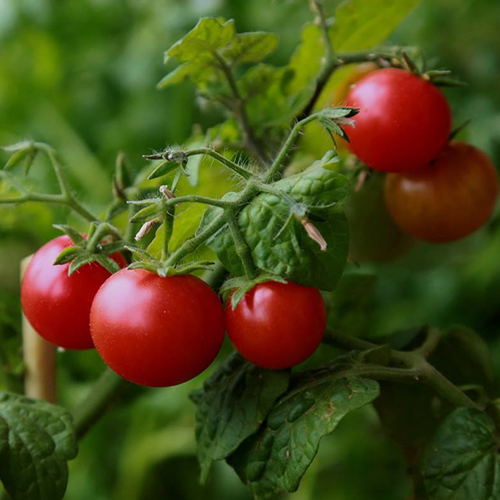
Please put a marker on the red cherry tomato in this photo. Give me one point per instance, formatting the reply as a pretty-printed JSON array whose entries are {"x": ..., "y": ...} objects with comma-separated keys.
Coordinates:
[
  {"x": 403, "y": 123},
  {"x": 156, "y": 331},
  {"x": 446, "y": 200},
  {"x": 277, "y": 325},
  {"x": 58, "y": 305}
]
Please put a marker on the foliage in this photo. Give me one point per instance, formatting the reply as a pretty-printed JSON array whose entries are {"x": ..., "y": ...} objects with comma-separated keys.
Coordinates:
[{"x": 267, "y": 425}]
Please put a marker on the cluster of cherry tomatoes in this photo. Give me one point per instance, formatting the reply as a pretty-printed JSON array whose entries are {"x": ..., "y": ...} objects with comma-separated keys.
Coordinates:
[
  {"x": 435, "y": 190},
  {"x": 162, "y": 331}
]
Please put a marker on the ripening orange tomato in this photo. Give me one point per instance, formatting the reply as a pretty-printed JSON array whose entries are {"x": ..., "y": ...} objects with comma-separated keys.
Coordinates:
[{"x": 446, "y": 200}]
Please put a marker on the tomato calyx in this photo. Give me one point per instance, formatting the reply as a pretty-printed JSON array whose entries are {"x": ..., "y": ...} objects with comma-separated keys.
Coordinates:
[
  {"x": 144, "y": 260},
  {"x": 96, "y": 247},
  {"x": 234, "y": 289}
]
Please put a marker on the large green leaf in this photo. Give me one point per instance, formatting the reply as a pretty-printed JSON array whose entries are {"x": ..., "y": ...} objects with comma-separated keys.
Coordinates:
[
  {"x": 462, "y": 461},
  {"x": 275, "y": 459},
  {"x": 250, "y": 47},
  {"x": 36, "y": 441},
  {"x": 362, "y": 24},
  {"x": 210, "y": 47},
  {"x": 208, "y": 36},
  {"x": 307, "y": 59},
  {"x": 232, "y": 405},
  {"x": 278, "y": 243},
  {"x": 269, "y": 100}
]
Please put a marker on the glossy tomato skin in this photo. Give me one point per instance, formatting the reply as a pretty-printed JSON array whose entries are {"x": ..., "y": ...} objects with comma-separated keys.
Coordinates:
[
  {"x": 58, "y": 305},
  {"x": 156, "y": 331},
  {"x": 403, "y": 123},
  {"x": 446, "y": 200},
  {"x": 277, "y": 325}
]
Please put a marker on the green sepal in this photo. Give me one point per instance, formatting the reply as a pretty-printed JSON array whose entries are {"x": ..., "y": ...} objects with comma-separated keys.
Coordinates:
[
  {"x": 336, "y": 112},
  {"x": 22, "y": 152},
  {"x": 77, "y": 262},
  {"x": 163, "y": 270},
  {"x": 67, "y": 255},
  {"x": 163, "y": 168},
  {"x": 236, "y": 288},
  {"x": 107, "y": 262},
  {"x": 75, "y": 236},
  {"x": 151, "y": 212}
]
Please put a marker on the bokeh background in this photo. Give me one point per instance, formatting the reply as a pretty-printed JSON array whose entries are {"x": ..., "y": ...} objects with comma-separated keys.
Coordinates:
[{"x": 81, "y": 76}]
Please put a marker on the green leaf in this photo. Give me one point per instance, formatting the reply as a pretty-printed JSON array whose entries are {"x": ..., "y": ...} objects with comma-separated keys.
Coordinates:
[
  {"x": 36, "y": 441},
  {"x": 462, "y": 461},
  {"x": 200, "y": 72},
  {"x": 307, "y": 60},
  {"x": 251, "y": 47},
  {"x": 202, "y": 41},
  {"x": 269, "y": 103},
  {"x": 231, "y": 407},
  {"x": 278, "y": 242},
  {"x": 363, "y": 24},
  {"x": 275, "y": 459}
]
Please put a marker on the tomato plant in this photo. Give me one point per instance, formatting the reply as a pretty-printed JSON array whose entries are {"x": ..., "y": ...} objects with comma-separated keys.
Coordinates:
[
  {"x": 58, "y": 305},
  {"x": 283, "y": 233},
  {"x": 156, "y": 331},
  {"x": 277, "y": 325},
  {"x": 448, "y": 199},
  {"x": 403, "y": 123}
]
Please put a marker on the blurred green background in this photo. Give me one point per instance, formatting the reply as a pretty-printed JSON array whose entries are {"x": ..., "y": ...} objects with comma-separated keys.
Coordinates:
[{"x": 81, "y": 76}]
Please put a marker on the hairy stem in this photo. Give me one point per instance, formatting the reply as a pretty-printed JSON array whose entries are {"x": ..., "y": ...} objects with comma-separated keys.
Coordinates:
[
  {"x": 252, "y": 142},
  {"x": 414, "y": 361},
  {"x": 194, "y": 198},
  {"x": 98, "y": 400},
  {"x": 323, "y": 22},
  {"x": 238, "y": 169},
  {"x": 285, "y": 150},
  {"x": 242, "y": 248},
  {"x": 192, "y": 244}
]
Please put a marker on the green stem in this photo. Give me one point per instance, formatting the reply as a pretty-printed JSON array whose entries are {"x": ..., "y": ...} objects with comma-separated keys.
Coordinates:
[
  {"x": 101, "y": 232},
  {"x": 253, "y": 144},
  {"x": 285, "y": 150},
  {"x": 241, "y": 246},
  {"x": 435, "y": 379},
  {"x": 237, "y": 169},
  {"x": 433, "y": 337},
  {"x": 194, "y": 198},
  {"x": 168, "y": 231},
  {"x": 414, "y": 361},
  {"x": 192, "y": 244},
  {"x": 58, "y": 169},
  {"x": 100, "y": 397},
  {"x": 323, "y": 22}
]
